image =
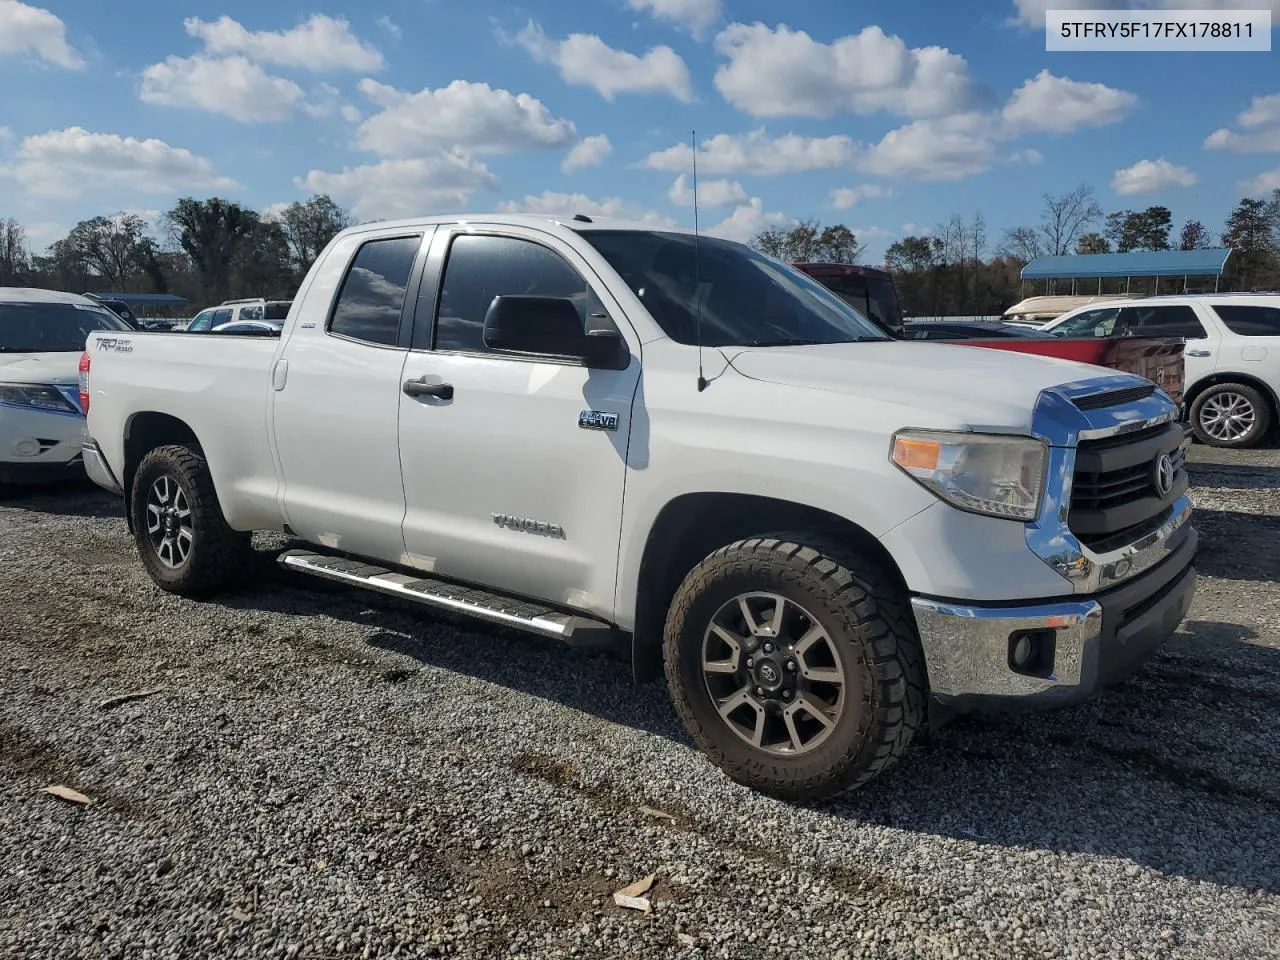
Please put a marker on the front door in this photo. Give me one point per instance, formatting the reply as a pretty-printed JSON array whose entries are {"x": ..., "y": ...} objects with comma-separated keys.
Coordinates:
[{"x": 513, "y": 467}]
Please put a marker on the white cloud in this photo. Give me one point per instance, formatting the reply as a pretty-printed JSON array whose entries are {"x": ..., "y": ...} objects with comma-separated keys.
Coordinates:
[
  {"x": 66, "y": 163},
  {"x": 389, "y": 25},
  {"x": 949, "y": 149},
  {"x": 232, "y": 86},
  {"x": 403, "y": 188},
  {"x": 711, "y": 193},
  {"x": 1150, "y": 176},
  {"x": 470, "y": 116},
  {"x": 588, "y": 152},
  {"x": 693, "y": 15},
  {"x": 1059, "y": 105},
  {"x": 757, "y": 153},
  {"x": 1030, "y": 13},
  {"x": 41, "y": 235},
  {"x": 1263, "y": 183},
  {"x": 1028, "y": 156},
  {"x": 552, "y": 204},
  {"x": 586, "y": 60},
  {"x": 1261, "y": 129},
  {"x": 27, "y": 29},
  {"x": 5, "y": 134},
  {"x": 749, "y": 220},
  {"x": 321, "y": 43},
  {"x": 845, "y": 198},
  {"x": 782, "y": 72}
]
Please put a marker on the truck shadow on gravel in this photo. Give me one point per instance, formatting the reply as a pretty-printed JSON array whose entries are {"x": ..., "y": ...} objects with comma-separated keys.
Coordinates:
[
  {"x": 1176, "y": 770},
  {"x": 1237, "y": 546},
  {"x": 74, "y": 498}
]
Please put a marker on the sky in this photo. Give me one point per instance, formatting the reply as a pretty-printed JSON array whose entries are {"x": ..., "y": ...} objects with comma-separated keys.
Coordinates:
[{"x": 887, "y": 117}]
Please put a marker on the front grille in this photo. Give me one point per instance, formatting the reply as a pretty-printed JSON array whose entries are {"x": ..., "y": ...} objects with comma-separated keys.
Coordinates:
[{"x": 1114, "y": 497}]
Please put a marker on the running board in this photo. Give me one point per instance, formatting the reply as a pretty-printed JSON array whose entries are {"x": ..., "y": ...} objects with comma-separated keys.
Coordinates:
[{"x": 577, "y": 630}]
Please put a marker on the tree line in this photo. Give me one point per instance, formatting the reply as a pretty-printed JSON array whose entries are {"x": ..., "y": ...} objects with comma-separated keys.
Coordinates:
[
  {"x": 209, "y": 251},
  {"x": 952, "y": 270}
]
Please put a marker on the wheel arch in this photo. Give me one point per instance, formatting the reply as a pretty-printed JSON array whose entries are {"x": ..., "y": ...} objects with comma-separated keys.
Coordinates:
[
  {"x": 694, "y": 525},
  {"x": 143, "y": 432}
]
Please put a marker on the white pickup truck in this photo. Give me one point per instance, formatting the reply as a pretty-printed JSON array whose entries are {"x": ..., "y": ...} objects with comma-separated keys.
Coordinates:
[{"x": 595, "y": 430}]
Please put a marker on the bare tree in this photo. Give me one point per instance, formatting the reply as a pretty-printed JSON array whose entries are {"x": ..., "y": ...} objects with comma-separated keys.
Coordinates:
[
  {"x": 1020, "y": 243},
  {"x": 1065, "y": 218},
  {"x": 14, "y": 255}
]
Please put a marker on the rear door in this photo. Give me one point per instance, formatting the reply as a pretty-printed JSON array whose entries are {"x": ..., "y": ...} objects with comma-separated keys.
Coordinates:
[
  {"x": 1254, "y": 347},
  {"x": 513, "y": 473},
  {"x": 1200, "y": 358},
  {"x": 337, "y": 396}
]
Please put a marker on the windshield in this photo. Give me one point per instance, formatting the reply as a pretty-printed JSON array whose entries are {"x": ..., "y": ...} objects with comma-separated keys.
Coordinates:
[
  {"x": 52, "y": 327},
  {"x": 745, "y": 297},
  {"x": 1091, "y": 323}
]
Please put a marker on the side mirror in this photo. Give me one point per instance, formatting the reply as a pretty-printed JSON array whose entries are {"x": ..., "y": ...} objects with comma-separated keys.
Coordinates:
[{"x": 550, "y": 326}]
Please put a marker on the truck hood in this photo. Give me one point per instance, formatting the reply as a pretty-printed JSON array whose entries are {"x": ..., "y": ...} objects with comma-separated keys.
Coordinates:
[
  {"x": 39, "y": 367},
  {"x": 948, "y": 385}
]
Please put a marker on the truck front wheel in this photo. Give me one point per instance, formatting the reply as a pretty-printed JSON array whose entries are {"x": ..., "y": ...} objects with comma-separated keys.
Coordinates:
[
  {"x": 795, "y": 665},
  {"x": 182, "y": 537}
]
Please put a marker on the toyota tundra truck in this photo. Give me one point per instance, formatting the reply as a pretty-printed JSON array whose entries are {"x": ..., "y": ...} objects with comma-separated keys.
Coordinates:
[{"x": 593, "y": 431}]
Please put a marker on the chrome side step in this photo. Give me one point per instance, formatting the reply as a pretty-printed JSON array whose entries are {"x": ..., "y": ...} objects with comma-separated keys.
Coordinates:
[{"x": 578, "y": 630}]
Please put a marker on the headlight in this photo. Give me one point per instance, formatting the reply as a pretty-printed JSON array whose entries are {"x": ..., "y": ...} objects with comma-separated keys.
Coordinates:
[
  {"x": 40, "y": 397},
  {"x": 982, "y": 473}
]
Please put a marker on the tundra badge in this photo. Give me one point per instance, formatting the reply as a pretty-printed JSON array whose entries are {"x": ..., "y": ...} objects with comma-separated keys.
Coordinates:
[{"x": 597, "y": 420}]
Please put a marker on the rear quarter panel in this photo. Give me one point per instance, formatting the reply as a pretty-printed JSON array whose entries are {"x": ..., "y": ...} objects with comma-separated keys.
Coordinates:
[{"x": 218, "y": 386}]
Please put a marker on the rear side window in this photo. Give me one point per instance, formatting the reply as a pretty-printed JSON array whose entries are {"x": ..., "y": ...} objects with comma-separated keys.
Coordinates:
[
  {"x": 372, "y": 295},
  {"x": 1250, "y": 321},
  {"x": 43, "y": 327},
  {"x": 251, "y": 313},
  {"x": 1179, "y": 321},
  {"x": 481, "y": 268}
]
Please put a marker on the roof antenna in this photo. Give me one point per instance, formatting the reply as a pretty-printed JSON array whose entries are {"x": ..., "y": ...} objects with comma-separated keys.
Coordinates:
[{"x": 697, "y": 264}]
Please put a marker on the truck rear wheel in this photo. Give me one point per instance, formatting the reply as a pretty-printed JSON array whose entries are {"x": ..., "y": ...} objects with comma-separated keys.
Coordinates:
[
  {"x": 1230, "y": 415},
  {"x": 795, "y": 665},
  {"x": 181, "y": 535}
]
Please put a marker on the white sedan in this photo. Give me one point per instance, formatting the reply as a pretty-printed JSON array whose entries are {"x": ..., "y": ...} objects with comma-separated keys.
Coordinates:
[{"x": 42, "y": 336}]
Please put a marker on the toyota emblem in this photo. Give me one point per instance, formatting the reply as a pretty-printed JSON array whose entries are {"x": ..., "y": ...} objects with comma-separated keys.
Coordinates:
[{"x": 1164, "y": 474}]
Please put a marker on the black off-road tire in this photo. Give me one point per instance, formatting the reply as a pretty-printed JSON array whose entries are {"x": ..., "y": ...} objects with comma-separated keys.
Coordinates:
[
  {"x": 861, "y": 610},
  {"x": 219, "y": 556},
  {"x": 1262, "y": 416}
]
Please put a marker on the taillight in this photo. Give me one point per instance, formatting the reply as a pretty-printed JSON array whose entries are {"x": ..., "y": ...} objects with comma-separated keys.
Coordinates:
[{"x": 84, "y": 382}]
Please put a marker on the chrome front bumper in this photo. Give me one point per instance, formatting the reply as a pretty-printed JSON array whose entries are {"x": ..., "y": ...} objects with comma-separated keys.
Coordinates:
[
  {"x": 99, "y": 471},
  {"x": 1084, "y": 644}
]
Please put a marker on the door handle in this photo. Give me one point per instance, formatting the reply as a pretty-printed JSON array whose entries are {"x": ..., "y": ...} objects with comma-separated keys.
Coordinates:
[
  {"x": 420, "y": 388},
  {"x": 1199, "y": 353}
]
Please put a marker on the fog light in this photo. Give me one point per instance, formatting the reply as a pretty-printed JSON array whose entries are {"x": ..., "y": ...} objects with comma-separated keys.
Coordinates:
[
  {"x": 1031, "y": 652},
  {"x": 26, "y": 448}
]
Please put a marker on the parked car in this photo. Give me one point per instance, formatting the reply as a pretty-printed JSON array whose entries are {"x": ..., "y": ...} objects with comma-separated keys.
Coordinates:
[
  {"x": 596, "y": 431},
  {"x": 234, "y": 311},
  {"x": 251, "y": 327},
  {"x": 1232, "y": 355},
  {"x": 955, "y": 330},
  {"x": 120, "y": 309},
  {"x": 1039, "y": 311},
  {"x": 42, "y": 336},
  {"x": 869, "y": 291}
]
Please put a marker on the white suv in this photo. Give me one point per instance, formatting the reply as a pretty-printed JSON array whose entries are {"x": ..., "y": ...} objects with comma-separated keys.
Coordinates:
[
  {"x": 1232, "y": 355},
  {"x": 235, "y": 311}
]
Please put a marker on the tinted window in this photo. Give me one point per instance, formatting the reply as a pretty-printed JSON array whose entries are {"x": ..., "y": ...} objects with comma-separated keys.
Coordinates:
[
  {"x": 870, "y": 296},
  {"x": 372, "y": 296},
  {"x": 743, "y": 298},
  {"x": 1250, "y": 321},
  {"x": 481, "y": 268},
  {"x": 1091, "y": 323},
  {"x": 277, "y": 310},
  {"x": 251, "y": 313},
  {"x": 52, "y": 327},
  {"x": 1156, "y": 321}
]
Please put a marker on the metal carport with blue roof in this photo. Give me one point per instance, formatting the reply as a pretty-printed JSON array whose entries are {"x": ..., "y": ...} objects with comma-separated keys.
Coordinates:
[{"x": 1143, "y": 263}]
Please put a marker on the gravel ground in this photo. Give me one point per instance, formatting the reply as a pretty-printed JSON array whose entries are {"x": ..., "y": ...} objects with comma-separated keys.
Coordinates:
[{"x": 325, "y": 774}]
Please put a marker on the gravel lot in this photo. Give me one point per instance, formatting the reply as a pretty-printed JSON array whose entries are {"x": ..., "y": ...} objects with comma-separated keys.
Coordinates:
[{"x": 326, "y": 774}]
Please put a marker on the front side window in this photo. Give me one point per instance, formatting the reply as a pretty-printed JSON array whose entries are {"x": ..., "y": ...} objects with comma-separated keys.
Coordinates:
[
  {"x": 1250, "y": 321},
  {"x": 1162, "y": 321},
  {"x": 372, "y": 295},
  {"x": 1091, "y": 323},
  {"x": 203, "y": 321},
  {"x": 734, "y": 295},
  {"x": 481, "y": 267},
  {"x": 52, "y": 327}
]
